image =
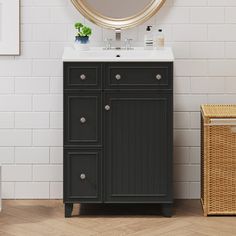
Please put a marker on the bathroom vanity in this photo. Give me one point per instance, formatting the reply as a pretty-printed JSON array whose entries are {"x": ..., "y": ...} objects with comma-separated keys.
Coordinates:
[{"x": 118, "y": 127}]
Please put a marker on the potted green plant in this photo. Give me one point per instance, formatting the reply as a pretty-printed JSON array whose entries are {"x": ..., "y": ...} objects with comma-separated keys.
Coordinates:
[{"x": 82, "y": 37}]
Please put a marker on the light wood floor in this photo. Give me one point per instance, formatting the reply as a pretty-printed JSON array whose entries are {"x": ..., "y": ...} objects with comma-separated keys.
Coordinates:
[{"x": 46, "y": 218}]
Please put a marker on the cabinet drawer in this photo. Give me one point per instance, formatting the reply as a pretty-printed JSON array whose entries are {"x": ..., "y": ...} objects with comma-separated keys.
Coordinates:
[
  {"x": 139, "y": 75},
  {"x": 82, "y": 119},
  {"x": 82, "y": 173},
  {"x": 81, "y": 75}
]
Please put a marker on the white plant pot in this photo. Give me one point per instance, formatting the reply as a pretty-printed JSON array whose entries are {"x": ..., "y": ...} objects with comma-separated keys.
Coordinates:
[{"x": 81, "y": 47}]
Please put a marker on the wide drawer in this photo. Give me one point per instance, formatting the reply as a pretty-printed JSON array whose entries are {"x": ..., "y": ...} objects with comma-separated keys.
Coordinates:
[
  {"x": 82, "y": 75},
  {"x": 82, "y": 119},
  {"x": 139, "y": 75},
  {"x": 82, "y": 175}
]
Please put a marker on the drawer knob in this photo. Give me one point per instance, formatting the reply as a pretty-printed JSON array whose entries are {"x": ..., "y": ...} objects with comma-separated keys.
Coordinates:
[
  {"x": 82, "y": 120},
  {"x": 158, "y": 77},
  {"x": 82, "y": 176},
  {"x": 118, "y": 77},
  {"x": 83, "y": 77},
  {"x": 107, "y": 107}
]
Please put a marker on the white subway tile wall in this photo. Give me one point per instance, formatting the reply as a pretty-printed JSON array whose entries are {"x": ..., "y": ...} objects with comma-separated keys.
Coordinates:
[{"x": 203, "y": 36}]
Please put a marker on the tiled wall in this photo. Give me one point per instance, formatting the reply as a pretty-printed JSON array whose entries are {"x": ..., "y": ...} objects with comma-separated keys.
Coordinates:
[{"x": 203, "y": 36}]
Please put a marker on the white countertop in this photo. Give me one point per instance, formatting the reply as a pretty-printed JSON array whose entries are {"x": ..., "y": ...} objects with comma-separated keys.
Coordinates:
[{"x": 99, "y": 54}]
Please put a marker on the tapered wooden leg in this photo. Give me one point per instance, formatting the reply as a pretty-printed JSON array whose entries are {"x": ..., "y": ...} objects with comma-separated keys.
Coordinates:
[
  {"x": 167, "y": 210},
  {"x": 68, "y": 209}
]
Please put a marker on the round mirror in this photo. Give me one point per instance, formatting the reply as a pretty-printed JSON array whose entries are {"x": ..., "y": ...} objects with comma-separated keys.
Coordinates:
[{"x": 118, "y": 14}]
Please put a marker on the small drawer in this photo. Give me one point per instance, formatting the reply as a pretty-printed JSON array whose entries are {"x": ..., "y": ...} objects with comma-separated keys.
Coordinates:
[
  {"x": 139, "y": 75},
  {"x": 82, "y": 119},
  {"x": 82, "y": 175},
  {"x": 82, "y": 75}
]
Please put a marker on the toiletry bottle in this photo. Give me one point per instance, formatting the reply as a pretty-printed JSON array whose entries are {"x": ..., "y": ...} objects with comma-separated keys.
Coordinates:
[
  {"x": 148, "y": 39},
  {"x": 160, "y": 40}
]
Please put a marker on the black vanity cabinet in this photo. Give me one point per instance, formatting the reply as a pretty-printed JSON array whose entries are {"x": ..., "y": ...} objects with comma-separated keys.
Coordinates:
[{"x": 118, "y": 133}]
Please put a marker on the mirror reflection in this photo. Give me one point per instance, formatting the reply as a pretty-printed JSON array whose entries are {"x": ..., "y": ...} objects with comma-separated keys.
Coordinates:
[{"x": 118, "y": 8}]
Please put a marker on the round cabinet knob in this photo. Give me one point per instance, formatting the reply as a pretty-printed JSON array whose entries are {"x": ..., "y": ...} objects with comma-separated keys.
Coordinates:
[
  {"x": 107, "y": 107},
  {"x": 118, "y": 77},
  {"x": 82, "y": 176},
  {"x": 83, "y": 77},
  {"x": 158, "y": 77},
  {"x": 82, "y": 120}
]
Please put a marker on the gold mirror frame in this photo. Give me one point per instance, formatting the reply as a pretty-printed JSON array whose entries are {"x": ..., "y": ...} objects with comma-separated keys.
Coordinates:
[{"x": 114, "y": 23}]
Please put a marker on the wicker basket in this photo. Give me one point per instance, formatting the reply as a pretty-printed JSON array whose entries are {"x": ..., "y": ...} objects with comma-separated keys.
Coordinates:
[{"x": 218, "y": 159}]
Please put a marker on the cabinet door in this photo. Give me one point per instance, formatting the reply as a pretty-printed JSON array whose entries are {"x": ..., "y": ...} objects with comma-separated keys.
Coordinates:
[{"x": 138, "y": 148}]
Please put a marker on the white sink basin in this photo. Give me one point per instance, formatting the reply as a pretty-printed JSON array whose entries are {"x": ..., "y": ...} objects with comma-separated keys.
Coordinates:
[{"x": 99, "y": 54}]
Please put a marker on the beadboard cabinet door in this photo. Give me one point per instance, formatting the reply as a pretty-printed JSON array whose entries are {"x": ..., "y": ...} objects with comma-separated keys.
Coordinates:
[{"x": 138, "y": 147}]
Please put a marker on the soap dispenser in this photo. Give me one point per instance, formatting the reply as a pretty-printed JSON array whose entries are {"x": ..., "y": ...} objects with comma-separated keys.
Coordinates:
[
  {"x": 160, "y": 40},
  {"x": 148, "y": 38}
]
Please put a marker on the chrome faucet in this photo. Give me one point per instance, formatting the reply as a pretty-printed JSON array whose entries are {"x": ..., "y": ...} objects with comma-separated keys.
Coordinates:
[
  {"x": 118, "y": 39},
  {"x": 118, "y": 42},
  {"x": 108, "y": 44}
]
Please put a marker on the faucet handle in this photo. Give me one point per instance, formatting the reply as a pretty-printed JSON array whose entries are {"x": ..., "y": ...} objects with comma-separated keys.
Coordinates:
[
  {"x": 108, "y": 43},
  {"x": 108, "y": 39},
  {"x": 128, "y": 44}
]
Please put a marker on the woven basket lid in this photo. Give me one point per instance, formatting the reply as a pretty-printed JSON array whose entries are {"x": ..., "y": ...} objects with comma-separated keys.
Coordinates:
[{"x": 221, "y": 111}]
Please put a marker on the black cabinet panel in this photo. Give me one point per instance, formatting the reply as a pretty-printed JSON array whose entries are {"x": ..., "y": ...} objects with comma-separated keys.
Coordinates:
[
  {"x": 82, "y": 175},
  {"x": 82, "y": 119},
  {"x": 118, "y": 133},
  {"x": 138, "y": 152},
  {"x": 138, "y": 76},
  {"x": 82, "y": 75}
]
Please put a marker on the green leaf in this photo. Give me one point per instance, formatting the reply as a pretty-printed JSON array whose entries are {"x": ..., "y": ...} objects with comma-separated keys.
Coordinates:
[
  {"x": 86, "y": 31},
  {"x": 78, "y": 25},
  {"x": 83, "y": 30}
]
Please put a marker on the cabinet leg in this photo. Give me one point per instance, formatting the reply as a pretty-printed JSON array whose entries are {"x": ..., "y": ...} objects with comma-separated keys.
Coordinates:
[
  {"x": 68, "y": 209},
  {"x": 167, "y": 210}
]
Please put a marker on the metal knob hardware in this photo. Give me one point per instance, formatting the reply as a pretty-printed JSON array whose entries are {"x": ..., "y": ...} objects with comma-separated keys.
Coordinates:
[
  {"x": 118, "y": 77},
  {"x": 82, "y": 176},
  {"x": 107, "y": 107},
  {"x": 158, "y": 77},
  {"x": 82, "y": 120},
  {"x": 83, "y": 77}
]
